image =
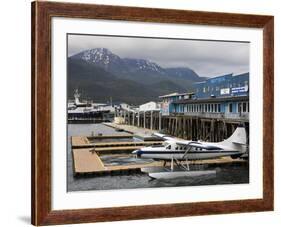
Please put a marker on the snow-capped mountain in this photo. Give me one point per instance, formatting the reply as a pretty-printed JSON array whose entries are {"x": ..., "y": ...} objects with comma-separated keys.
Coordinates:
[
  {"x": 136, "y": 69},
  {"x": 102, "y": 57},
  {"x": 111, "y": 62},
  {"x": 102, "y": 74},
  {"x": 143, "y": 65}
]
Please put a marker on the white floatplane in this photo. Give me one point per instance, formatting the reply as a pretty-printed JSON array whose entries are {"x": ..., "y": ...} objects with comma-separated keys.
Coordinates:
[{"x": 177, "y": 150}]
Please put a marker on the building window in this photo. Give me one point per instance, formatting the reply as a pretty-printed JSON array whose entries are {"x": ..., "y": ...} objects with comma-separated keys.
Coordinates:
[
  {"x": 216, "y": 108},
  {"x": 217, "y": 88},
  {"x": 244, "y": 107},
  {"x": 219, "y": 108},
  {"x": 204, "y": 89},
  {"x": 230, "y": 107},
  {"x": 248, "y": 107},
  {"x": 239, "y": 107}
]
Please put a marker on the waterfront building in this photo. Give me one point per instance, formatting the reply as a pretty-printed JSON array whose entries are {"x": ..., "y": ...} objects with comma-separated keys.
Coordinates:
[
  {"x": 223, "y": 86},
  {"x": 150, "y": 106},
  {"x": 224, "y": 96},
  {"x": 167, "y": 100}
]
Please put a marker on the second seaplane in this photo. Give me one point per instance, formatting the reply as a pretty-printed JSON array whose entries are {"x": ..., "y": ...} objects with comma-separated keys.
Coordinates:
[{"x": 179, "y": 152}]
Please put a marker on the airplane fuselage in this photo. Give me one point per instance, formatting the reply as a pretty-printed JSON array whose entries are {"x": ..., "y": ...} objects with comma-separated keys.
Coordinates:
[
  {"x": 164, "y": 154},
  {"x": 174, "y": 148}
]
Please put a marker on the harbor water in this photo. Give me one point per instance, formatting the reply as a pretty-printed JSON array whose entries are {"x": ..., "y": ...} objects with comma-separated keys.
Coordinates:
[{"x": 232, "y": 173}]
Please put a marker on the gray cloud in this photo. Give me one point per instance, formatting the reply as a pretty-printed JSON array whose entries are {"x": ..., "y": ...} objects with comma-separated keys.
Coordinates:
[{"x": 207, "y": 58}]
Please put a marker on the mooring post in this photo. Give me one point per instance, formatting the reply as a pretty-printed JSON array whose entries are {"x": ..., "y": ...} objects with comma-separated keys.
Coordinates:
[
  {"x": 124, "y": 116},
  {"x": 133, "y": 123},
  {"x": 129, "y": 117},
  {"x": 144, "y": 119},
  {"x": 138, "y": 118},
  {"x": 159, "y": 120},
  {"x": 151, "y": 119}
]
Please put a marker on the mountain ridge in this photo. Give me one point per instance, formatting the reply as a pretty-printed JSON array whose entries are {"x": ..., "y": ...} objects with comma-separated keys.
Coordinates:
[
  {"x": 100, "y": 73},
  {"x": 113, "y": 63}
]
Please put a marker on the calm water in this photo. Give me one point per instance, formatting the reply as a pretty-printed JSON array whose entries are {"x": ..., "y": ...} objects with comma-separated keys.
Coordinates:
[{"x": 226, "y": 173}]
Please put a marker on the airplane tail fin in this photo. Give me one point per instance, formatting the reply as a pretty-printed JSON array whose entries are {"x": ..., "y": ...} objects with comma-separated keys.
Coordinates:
[{"x": 237, "y": 140}]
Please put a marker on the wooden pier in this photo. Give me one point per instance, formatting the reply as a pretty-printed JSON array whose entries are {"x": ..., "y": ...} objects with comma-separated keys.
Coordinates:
[
  {"x": 83, "y": 142},
  {"x": 144, "y": 134},
  {"x": 86, "y": 155},
  {"x": 212, "y": 129},
  {"x": 89, "y": 162},
  {"x": 101, "y": 137}
]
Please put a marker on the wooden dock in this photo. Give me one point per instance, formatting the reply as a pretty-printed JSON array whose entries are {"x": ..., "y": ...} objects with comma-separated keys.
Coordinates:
[
  {"x": 138, "y": 132},
  {"x": 212, "y": 127},
  {"x": 86, "y": 156},
  {"x": 79, "y": 140},
  {"x": 83, "y": 142},
  {"x": 114, "y": 150},
  {"x": 89, "y": 162},
  {"x": 86, "y": 161},
  {"x": 99, "y": 137}
]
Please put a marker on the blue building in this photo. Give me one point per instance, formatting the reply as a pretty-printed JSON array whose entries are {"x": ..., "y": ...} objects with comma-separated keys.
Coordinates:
[
  {"x": 223, "y": 86},
  {"x": 224, "y": 96}
]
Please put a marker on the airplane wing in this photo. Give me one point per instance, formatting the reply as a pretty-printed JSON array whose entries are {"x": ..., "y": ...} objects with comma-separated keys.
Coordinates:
[
  {"x": 164, "y": 137},
  {"x": 198, "y": 145},
  {"x": 186, "y": 143}
]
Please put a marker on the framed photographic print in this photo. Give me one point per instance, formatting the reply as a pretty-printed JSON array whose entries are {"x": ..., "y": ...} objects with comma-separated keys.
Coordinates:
[{"x": 144, "y": 113}]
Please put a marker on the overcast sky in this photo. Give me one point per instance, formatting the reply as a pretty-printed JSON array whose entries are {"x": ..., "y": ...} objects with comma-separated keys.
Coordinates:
[{"x": 206, "y": 58}]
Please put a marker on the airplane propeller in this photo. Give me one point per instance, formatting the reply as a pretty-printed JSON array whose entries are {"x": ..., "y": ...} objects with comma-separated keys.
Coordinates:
[{"x": 135, "y": 153}]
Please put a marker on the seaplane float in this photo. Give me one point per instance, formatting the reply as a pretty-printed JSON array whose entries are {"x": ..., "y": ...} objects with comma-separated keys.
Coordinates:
[{"x": 180, "y": 152}]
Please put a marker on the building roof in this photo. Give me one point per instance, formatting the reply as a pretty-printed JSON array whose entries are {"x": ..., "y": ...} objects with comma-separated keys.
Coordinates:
[
  {"x": 212, "y": 100},
  {"x": 230, "y": 75},
  {"x": 176, "y": 94}
]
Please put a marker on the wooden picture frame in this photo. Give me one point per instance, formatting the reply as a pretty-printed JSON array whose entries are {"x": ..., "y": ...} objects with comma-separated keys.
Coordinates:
[{"x": 42, "y": 12}]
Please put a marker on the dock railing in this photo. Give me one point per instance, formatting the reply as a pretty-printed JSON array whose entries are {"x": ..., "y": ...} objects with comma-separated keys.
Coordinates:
[{"x": 244, "y": 116}]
